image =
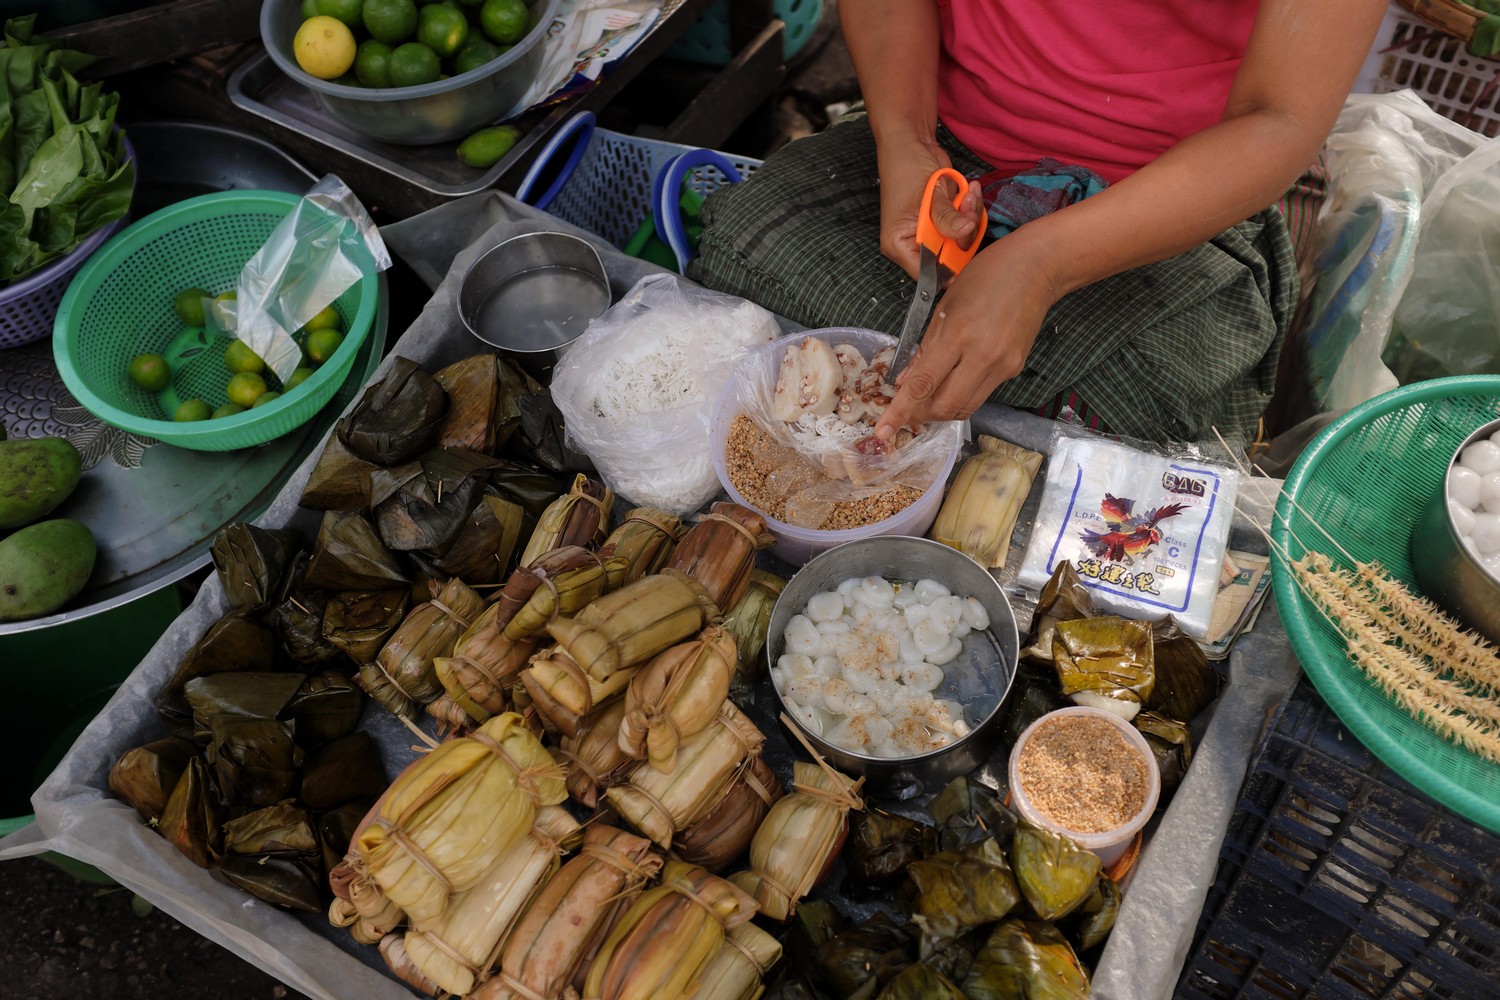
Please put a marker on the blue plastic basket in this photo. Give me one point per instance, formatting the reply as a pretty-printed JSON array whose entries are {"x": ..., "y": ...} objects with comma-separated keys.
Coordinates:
[
  {"x": 708, "y": 40},
  {"x": 606, "y": 181}
]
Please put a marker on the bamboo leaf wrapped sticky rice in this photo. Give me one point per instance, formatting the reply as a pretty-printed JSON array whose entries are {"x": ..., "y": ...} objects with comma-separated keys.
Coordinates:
[
  {"x": 402, "y": 676},
  {"x": 629, "y": 626},
  {"x": 593, "y": 757},
  {"x": 980, "y": 510},
  {"x": 676, "y": 694},
  {"x": 800, "y": 836},
  {"x": 423, "y": 505},
  {"x": 393, "y": 950},
  {"x": 720, "y": 837},
  {"x": 190, "y": 819},
  {"x": 369, "y": 914},
  {"x": 456, "y": 949},
  {"x": 578, "y": 517},
  {"x": 659, "y": 804},
  {"x": 359, "y": 622},
  {"x": 250, "y": 562},
  {"x": 645, "y": 540},
  {"x": 340, "y": 480},
  {"x": 448, "y": 817},
  {"x": 568, "y": 919},
  {"x": 398, "y": 417},
  {"x": 143, "y": 778},
  {"x": 349, "y": 555},
  {"x": 719, "y": 551},
  {"x": 562, "y": 695},
  {"x": 666, "y": 938},
  {"x": 750, "y": 619},
  {"x": 736, "y": 971},
  {"x": 567, "y": 580}
]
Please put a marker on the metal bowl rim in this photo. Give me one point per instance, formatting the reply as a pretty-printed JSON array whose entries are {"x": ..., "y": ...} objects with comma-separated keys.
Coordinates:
[
  {"x": 1482, "y": 432},
  {"x": 463, "y": 314}
]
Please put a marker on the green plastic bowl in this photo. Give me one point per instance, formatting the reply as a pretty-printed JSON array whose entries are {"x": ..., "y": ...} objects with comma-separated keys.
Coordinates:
[
  {"x": 120, "y": 305},
  {"x": 1366, "y": 479}
]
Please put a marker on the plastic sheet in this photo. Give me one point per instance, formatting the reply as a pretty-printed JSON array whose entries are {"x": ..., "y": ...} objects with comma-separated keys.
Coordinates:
[{"x": 77, "y": 817}]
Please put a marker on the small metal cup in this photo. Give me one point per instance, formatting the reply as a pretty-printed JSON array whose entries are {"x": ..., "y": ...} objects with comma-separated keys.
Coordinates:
[
  {"x": 533, "y": 295},
  {"x": 1446, "y": 569}
]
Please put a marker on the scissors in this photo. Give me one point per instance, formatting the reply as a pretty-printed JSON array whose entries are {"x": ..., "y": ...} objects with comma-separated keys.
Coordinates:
[{"x": 941, "y": 258}]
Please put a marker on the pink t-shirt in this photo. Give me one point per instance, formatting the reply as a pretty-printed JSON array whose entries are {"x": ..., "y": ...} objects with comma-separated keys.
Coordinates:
[{"x": 1105, "y": 84}]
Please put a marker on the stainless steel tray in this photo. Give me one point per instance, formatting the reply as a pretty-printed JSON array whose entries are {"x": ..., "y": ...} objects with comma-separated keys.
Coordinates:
[{"x": 153, "y": 508}]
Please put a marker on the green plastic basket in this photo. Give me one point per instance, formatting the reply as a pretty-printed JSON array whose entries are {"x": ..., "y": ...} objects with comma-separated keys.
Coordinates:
[
  {"x": 120, "y": 305},
  {"x": 1366, "y": 479}
]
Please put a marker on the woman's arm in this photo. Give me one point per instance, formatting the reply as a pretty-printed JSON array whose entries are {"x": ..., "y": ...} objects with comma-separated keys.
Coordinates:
[
  {"x": 894, "y": 45},
  {"x": 1297, "y": 70}
]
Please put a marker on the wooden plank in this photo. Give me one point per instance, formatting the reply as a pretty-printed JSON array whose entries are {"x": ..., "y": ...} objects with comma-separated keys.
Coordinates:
[
  {"x": 730, "y": 98},
  {"x": 747, "y": 19},
  {"x": 160, "y": 33}
]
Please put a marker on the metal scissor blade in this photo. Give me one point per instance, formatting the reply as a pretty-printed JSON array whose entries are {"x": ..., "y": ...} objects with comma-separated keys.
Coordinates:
[{"x": 916, "y": 314}]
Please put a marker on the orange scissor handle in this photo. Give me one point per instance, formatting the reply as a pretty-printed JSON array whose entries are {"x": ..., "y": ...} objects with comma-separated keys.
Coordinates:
[{"x": 949, "y": 254}]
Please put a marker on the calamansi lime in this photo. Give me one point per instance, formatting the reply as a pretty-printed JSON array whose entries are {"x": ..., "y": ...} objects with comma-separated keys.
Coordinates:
[
  {"x": 326, "y": 319},
  {"x": 413, "y": 64},
  {"x": 228, "y": 410},
  {"x": 150, "y": 372},
  {"x": 324, "y": 47},
  {"x": 475, "y": 53},
  {"x": 372, "y": 64},
  {"x": 238, "y": 357},
  {"x": 188, "y": 305},
  {"x": 297, "y": 378},
  {"x": 504, "y": 21},
  {"x": 264, "y": 398},
  {"x": 321, "y": 345},
  {"x": 192, "y": 409},
  {"x": 390, "y": 21},
  {"x": 244, "y": 388},
  {"x": 442, "y": 29}
]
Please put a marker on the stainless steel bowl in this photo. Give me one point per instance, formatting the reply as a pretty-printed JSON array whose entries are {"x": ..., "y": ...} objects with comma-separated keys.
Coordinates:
[
  {"x": 1447, "y": 570},
  {"x": 984, "y": 673},
  {"x": 533, "y": 295}
]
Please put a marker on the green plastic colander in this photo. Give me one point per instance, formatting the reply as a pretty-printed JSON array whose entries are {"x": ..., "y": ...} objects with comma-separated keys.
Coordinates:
[
  {"x": 1366, "y": 479},
  {"x": 120, "y": 305}
]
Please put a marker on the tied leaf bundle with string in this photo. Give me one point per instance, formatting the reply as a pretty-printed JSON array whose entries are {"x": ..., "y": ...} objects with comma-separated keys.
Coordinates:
[{"x": 1441, "y": 674}]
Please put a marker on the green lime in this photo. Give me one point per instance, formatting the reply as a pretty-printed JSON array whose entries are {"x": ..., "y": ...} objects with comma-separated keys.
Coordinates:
[
  {"x": 503, "y": 20},
  {"x": 244, "y": 388},
  {"x": 310, "y": 9},
  {"x": 349, "y": 11},
  {"x": 193, "y": 409},
  {"x": 471, "y": 3},
  {"x": 390, "y": 21},
  {"x": 326, "y": 319},
  {"x": 372, "y": 64},
  {"x": 413, "y": 64},
  {"x": 298, "y": 377},
  {"x": 485, "y": 147},
  {"x": 228, "y": 410},
  {"x": 475, "y": 53},
  {"x": 189, "y": 306},
  {"x": 321, "y": 344},
  {"x": 238, "y": 357},
  {"x": 264, "y": 398},
  {"x": 442, "y": 29},
  {"x": 150, "y": 372}
]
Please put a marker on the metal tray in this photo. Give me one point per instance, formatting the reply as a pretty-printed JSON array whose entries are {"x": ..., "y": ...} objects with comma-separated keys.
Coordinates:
[{"x": 153, "y": 508}]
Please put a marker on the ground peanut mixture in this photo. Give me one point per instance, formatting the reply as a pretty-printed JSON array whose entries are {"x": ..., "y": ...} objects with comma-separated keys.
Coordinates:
[
  {"x": 756, "y": 462},
  {"x": 1082, "y": 774}
]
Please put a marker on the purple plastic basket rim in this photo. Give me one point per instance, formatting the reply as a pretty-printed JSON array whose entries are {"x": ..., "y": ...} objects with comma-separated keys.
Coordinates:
[{"x": 74, "y": 258}]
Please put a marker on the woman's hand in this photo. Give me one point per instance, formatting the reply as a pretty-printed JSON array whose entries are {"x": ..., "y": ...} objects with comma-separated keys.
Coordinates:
[
  {"x": 904, "y": 172},
  {"x": 979, "y": 337}
]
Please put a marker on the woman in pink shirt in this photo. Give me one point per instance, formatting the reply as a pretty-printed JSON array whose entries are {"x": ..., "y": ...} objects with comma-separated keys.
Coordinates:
[{"x": 1162, "y": 287}]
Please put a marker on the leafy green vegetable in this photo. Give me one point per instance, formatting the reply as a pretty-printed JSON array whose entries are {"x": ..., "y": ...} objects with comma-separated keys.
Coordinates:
[{"x": 62, "y": 162}]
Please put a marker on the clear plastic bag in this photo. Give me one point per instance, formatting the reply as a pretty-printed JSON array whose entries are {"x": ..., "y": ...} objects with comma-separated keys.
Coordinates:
[
  {"x": 1146, "y": 532},
  {"x": 638, "y": 388},
  {"x": 324, "y": 245},
  {"x": 821, "y": 459}
]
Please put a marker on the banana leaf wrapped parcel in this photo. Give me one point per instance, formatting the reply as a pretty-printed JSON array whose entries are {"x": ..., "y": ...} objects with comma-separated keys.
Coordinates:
[
  {"x": 955, "y": 891},
  {"x": 720, "y": 837},
  {"x": 645, "y": 540},
  {"x": 423, "y": 505},
  {"x": 719, "y": 551},
  {"x": 481, "y": 403},
  {"x": 358, "y": 622},
  {"x": 881, "y": 845},
  {"x": 250, "y": 562},
  {"x": 1026, "y": 958},
  {"x": 235, "y": 642},
  {"x": 340, "y": 479},
  {"x": 878, "y": 949},
  {"x": 741, "y": 963},
  {"x": 254, "y": 761},
  {"x": 566, "y": 923},
  {"x": 397, "y": 418},
  {"x": 349, "y": 555},
  {"x": 346, "y": 770},
  {"x": 578, "y": 517},
  {"x": 279, "y": 880},
  {"x": 402, "y": 676},
  {"x": 1106, "y": 662},
  {"x": 457, "y": 949},
  {"x": 191, "y": 818},
  {"x": 325, "y": 708},
  {"x": 675, "y": 695},
  {"x": 627, "y": 627},
  {"x": 254, "y": 694},
  {"x": 1055, "y": 875},
  {"x": 799, "y": 839},
  {"x": 563, "y": 695},
  {"x": 450, "y": 815},
  {"x": 750, "y": 619},
  {"x": 143, "y": 778},
  {"x": 670, "y": 933},
  {"x": 593, "y": 757},
  {"x": 980, "y": 509}
]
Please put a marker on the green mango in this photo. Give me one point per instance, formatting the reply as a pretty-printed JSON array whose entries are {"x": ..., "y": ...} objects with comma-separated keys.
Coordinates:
[
  {"x": 44, "y": 566},
  {"x": 36, "y": 474}
]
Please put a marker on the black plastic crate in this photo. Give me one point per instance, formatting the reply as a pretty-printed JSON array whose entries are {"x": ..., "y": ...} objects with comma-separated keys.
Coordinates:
[{"x": 1337, "y": 878}]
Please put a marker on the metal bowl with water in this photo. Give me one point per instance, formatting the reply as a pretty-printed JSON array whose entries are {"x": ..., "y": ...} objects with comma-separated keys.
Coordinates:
[
  {"x": 1448, "y": 570},
  {"x": 533, "y": 295},
  {"x": 978, "y": 679}
]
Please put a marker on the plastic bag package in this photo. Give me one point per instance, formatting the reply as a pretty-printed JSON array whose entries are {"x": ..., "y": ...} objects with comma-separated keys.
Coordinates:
[
  {"x": 1147, "y": 533},
  {"x": 821, "y": 459},
  {"x": 1384, "y": 155},
  {"x": 637, "y": 390},
  {"x": 324, "y": 246}
]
